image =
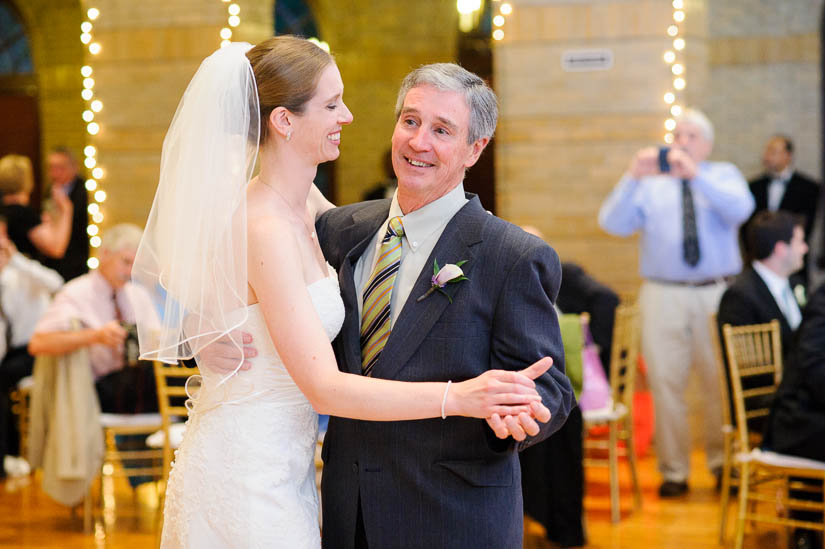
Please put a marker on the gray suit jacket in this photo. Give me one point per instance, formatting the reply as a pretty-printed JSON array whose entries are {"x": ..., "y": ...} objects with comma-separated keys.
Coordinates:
[{"x": 442, "y": 483}]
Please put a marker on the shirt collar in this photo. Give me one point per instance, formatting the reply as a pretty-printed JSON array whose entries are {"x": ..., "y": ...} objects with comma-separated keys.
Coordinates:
[
  {"x": 784, "y": 176},
  {"x": 423, "y": 222},
  {"x": 775, "y": 283},
  {"x": 102, "y": 284}
]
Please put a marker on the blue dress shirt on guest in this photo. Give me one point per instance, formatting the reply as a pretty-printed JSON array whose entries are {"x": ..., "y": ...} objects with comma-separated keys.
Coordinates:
[{"x": 653, "y": 205}]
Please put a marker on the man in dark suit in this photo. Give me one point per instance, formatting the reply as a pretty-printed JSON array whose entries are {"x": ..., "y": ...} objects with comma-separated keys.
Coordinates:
[
  {"x": 782, "y": 187},
  {"x": 451, "y": 483},
  {"x": 796, "y": 425},
  {"x": 762, "y": 292},
  {"x": 63, "y": 173}
]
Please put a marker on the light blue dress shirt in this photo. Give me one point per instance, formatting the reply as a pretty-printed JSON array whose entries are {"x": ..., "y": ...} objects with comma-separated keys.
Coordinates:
[{"x": 653, "y": 206}]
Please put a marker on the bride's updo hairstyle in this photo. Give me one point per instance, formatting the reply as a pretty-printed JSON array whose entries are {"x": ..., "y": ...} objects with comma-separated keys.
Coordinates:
[{"x": 287, "y": 70}]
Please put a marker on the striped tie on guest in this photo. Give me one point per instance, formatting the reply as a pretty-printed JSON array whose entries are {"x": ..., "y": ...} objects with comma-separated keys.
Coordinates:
[{"x": 375, "y": 318}]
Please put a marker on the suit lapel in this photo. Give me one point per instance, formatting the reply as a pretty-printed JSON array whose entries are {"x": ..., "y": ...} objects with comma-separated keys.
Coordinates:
[
  {"x": 364, "y": 225},
  {"x": 418, "y": 317}
]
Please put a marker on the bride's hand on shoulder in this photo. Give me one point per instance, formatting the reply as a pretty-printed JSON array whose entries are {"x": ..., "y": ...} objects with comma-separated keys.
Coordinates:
[{"x": 500, "y": 392}]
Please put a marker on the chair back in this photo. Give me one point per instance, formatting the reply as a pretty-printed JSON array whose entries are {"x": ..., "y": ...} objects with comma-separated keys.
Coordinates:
[
  {"x": 754, "y": 355},
  {"x": 624, "y": 355},
  {"x": 171, "y": 402}
]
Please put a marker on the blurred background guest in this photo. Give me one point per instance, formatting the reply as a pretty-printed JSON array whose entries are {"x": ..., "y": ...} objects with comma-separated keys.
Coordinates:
[
  {"x": 26, "y": 288},
  {"x": 40, "y": 238},
  {"x": 688, "y": 211},
  {"x": 387, "y": 186},
  {"x": 581, "y": 293},
  {"x": 796, "y": 425},
  {"x": 782, "y": 187},
  {"x": 104, "y": 301},
  {"x": 63, "y": 175},
  {"x": 762, "y": 292},
  {"x": 552, "y": 480}
]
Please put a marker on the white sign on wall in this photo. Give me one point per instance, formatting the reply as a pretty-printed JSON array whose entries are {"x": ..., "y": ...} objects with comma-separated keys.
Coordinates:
[{"x": 587, "y": 60}]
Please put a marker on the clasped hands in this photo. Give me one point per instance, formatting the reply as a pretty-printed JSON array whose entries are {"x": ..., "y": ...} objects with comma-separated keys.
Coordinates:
[{"x": 490, "y": 391}]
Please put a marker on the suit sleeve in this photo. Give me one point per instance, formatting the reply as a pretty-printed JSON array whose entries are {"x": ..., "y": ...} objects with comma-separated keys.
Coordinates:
[
  {"x": 811, "y": 347},
  {"x": 526, "y": 328}
]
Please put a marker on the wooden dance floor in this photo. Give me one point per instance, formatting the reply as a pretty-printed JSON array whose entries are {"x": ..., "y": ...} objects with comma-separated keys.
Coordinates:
[{"x": 28, "y": 518}]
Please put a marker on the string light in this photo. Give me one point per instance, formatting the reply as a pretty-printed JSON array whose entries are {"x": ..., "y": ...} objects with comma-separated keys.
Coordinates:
[
  {"x": 500, "y": 19},
  {"x": 233, "y": 20},
  {"x": 93, "y": 128},
  {"x": 677, "y": 69}
]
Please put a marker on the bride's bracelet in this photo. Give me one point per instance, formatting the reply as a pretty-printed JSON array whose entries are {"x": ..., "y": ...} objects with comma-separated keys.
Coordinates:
[{"x": 444, "y": 400}]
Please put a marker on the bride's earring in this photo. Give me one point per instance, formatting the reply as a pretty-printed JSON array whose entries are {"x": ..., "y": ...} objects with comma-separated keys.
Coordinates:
[{"x": 289, "y": 135}]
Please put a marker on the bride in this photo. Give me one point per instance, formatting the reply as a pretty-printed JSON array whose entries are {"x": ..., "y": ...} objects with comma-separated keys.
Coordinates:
[{"x": 226, "y": 254}]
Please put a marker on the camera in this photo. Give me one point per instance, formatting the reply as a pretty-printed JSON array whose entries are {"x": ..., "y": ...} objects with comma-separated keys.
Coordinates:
[{"x": 664, "y": 165}]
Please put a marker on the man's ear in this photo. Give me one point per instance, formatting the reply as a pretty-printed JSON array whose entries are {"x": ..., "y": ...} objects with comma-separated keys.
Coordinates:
[
  {"x": 780, "y": 248},
  {"x": 280, "y": 121},
  {"x": 477, "y": 148}
]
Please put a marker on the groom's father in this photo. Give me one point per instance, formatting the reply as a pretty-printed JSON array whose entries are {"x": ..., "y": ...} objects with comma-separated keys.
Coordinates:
[{"x": 437, "y": 483}]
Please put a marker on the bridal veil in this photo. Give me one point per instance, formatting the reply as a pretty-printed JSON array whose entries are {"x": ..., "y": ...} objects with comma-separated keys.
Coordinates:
[{"x": 192, "y": 258}]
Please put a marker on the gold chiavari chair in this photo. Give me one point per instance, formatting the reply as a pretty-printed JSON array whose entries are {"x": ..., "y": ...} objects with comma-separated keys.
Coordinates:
[
  {"x": 755, "y": 361},
  {"x": 20, "y": 407},
  {"x": 618, "y": 417},
  {"x": 729, "y": 439},
  {"x": 172, "y": 405}
]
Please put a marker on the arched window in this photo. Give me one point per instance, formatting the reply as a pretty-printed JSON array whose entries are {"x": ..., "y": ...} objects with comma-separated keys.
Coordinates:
[{"x": 15, "y": 53}]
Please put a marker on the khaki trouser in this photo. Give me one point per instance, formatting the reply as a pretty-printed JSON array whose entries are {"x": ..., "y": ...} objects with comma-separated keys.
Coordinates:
[{"x": 675, "y": 341}]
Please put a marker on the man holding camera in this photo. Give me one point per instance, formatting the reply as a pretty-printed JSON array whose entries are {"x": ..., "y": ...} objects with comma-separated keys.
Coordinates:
[
  {"x": 688, "y": 211},
  {"x": 104, "y": 302}
]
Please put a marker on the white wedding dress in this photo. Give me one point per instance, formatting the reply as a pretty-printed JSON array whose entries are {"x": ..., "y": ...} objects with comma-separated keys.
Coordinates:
[{"x": 244, "y": 475}]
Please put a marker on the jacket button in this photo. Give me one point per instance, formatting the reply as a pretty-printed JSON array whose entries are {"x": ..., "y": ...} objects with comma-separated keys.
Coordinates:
[{"x": 355, "y": 467}]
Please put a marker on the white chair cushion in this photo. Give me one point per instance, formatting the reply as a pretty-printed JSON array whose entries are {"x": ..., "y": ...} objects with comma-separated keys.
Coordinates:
[
  {"x": 780, "y": 460},
  {"x": 129, "y": 420},
  {"x": 605, "y": 414},
  {"x": 176, "y": 430}
]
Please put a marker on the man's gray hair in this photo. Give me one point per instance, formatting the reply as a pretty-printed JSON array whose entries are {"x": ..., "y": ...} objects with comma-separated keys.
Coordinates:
[
  {"x": 480, "y": 98},
  {"x": 698, "y": 119},
  {"x": 121, "y": 236}
]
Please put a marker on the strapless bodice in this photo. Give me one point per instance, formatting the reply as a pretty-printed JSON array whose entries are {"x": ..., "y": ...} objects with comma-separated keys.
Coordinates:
[{"x": 268, "y": 377}]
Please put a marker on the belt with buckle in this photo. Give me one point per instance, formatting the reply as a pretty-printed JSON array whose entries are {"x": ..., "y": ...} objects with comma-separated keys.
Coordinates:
[{"x": 694, "y": 283}]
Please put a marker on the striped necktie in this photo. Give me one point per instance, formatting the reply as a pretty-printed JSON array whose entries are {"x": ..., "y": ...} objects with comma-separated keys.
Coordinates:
[{"x": 375, "y": 317}]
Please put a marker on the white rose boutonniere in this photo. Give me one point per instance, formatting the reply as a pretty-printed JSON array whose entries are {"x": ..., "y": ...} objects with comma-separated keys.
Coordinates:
[{"x": 448, "y": 274}]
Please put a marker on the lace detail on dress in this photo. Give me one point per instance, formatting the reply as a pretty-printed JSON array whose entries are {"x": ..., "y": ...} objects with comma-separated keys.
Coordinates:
[{"x": 244, "y": 475}]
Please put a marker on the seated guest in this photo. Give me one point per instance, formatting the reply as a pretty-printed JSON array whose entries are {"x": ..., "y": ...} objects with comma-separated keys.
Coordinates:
[
  {"x": 781, "y": 187},
  {"x": 762, "y": 291},
  {"x": 104, "y": 302},
  {"x": 796, "y": 425},
  {"x": 33, "y": 236},
  {"x": 26, "y": 288},
  {"x": 581, "y": 293},
  {"x": 552, "y": 471}
]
